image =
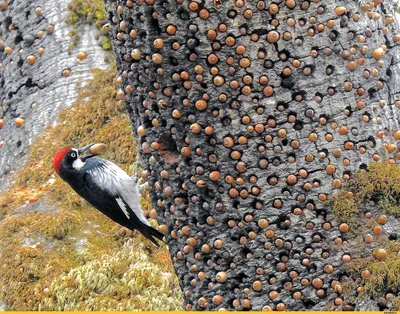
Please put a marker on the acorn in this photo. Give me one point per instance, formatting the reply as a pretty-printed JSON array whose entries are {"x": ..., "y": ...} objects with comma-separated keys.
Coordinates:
[
  {"x": 157, "y": 58},
  {"x": 217, "y": 299},
  {"x": 8, "y": 50},
  {"x": 380, "y": 254},
  {"x": 221, "y": 277},
  {"x": 31, "y": 59},
  {"x": 66, "y": 72},
  {"x": 3, "y": 5},
  {"x": 136, "y": 54},
  {"x": 120, "y": 95},
  {"x": 214, "y": 176},
  {"x": 19, "y": 122},
  {"x": 81, "y": 56},
  {"x": 378, "y": 53},
  {"x": 97, "y": 148}
]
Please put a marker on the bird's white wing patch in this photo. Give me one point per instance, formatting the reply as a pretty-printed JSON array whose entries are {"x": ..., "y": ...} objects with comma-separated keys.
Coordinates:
[
  {"x": 123, "y": 207},
  {"x": 112, "y": 179}
]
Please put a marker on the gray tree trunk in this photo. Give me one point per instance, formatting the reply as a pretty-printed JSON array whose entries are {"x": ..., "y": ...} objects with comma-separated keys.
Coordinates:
[
  {"x": 36, "y": 92},
  {"x": 250, "y": 114}
]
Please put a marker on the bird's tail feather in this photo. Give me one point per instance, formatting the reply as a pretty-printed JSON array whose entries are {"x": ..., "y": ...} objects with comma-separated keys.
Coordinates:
[{"x": 150, "y": 233}]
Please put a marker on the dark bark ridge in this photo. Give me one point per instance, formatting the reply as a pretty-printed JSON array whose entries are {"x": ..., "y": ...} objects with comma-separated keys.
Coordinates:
[{"x": 249, "y": 116}]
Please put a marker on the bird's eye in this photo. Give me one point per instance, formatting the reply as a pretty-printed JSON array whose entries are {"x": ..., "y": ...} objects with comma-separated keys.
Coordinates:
[{"x": 73, "y": 155}]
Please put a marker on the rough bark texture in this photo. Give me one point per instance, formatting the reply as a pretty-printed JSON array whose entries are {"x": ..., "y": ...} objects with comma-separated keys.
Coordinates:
[
  {"x": 244, "y": 137},
  {"x": 37, "y": 92}
]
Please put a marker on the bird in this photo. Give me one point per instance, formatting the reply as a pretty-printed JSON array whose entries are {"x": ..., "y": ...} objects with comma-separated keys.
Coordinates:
[{"x": 106, "y": 187}]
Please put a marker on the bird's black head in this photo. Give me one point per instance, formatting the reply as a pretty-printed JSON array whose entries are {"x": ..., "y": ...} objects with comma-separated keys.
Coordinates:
[{"x": 70, "y": 158}]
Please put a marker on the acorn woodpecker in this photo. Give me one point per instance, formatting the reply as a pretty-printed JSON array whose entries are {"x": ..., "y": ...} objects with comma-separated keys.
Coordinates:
[{"x": 105, "y": 186}]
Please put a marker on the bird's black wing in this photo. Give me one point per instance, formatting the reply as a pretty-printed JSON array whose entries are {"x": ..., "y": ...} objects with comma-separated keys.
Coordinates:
[{"x": 109, "y": 189}]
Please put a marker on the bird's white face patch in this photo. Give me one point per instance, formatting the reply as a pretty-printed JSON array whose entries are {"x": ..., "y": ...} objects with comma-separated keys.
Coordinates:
[
  {"x": 78, "y": 163},
  {"x": 123, "y": 207}
]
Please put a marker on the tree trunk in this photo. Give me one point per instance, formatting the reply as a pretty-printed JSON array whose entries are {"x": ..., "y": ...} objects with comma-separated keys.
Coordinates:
[
  {"x": 250, "y": 114},
  {"x": 36, "y": 92}
]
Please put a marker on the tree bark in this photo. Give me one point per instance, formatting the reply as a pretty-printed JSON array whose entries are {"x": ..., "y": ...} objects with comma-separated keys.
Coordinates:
[{"x": 250, "y": 114}]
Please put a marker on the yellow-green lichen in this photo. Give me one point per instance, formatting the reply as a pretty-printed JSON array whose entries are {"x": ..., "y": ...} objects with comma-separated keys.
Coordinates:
[
  {"x": 396, "y": 303},
  {"x": 344, "y": 208},
  {"x": 383, "y": 274},
  {"x": 86, "y": 12},
  {"x": 381, "y": 183},
  {"x": 51, "y": 239},
  {"x": 127, "y": 280}
]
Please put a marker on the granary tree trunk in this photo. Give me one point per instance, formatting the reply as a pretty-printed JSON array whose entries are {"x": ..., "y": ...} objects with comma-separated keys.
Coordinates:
[{"x": 250, "y": 114}]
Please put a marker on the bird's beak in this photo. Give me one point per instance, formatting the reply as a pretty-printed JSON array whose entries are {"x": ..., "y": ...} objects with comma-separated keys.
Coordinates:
[{"x": 85, "y": 148}]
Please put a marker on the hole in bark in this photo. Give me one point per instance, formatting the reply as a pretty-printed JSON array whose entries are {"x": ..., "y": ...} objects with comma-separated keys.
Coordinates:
[
  {"x": 371, "y": 92},
  {"x": 232, "y": 14},
  {"x": 110, "y": 16},
  {"x": 318, "y": 97},
  {"x": 18, "y": 39},
  {"x": 226, "y": 121},
  {"x": 168, "y": 148},
  {"x": 268, "y": 64},
  {"x": 276, "y": 161},
  {"x": 154, "y": 108},
  {"x": 334, "y": 35},
  {"x": 154, "y": 24},
  {"x": 329, "y": 70},
  {"x": 7, "y": 22},
  {"x": 19, "y": 144},
  {"x": 348, "y": 173},
  {"x": 299, "y": 96},
  {"x": 173, "y": 61},
  {"x": 372, "y": 140},
  {"x": 317, "y": 237},
  {"x": 281, "y": 106},
  {"x": 308, "y": 303},
  {"x": 20, "y": 63},
  {"x": 382, "y": 307},
  {"x": 288, "y": 82},
  {"x": 363, "y": 166},
  {"x": 284, "y": 55},
  {"x": 349, "y": 110},
  {"x": 29, "y": 83},
  {"x": 235, "y": 104},
  {"x": 298, "y": 125},
  {"x": 183, "y": 14}
]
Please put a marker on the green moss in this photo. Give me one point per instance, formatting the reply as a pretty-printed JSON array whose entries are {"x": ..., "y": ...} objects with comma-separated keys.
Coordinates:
[
  {"x": 50, "y": 253},
  {"x": 84, "y": 12},
  {"x": 381, "y": 183},
  {"x": 385, "y": 274},
  {"x": 396, "y": 303},
  {"x": 106, "y": 43},
  {"x": 345, "y": 209},
  {"x": 127, "y": 280}
]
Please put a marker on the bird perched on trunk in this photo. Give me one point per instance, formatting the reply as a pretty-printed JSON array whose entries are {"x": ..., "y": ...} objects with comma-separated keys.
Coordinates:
[{"x": 105, "y": 186}]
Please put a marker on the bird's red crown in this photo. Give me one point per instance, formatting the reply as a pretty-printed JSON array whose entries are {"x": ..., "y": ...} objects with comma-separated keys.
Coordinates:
[{"x": 58, "y": 157}]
